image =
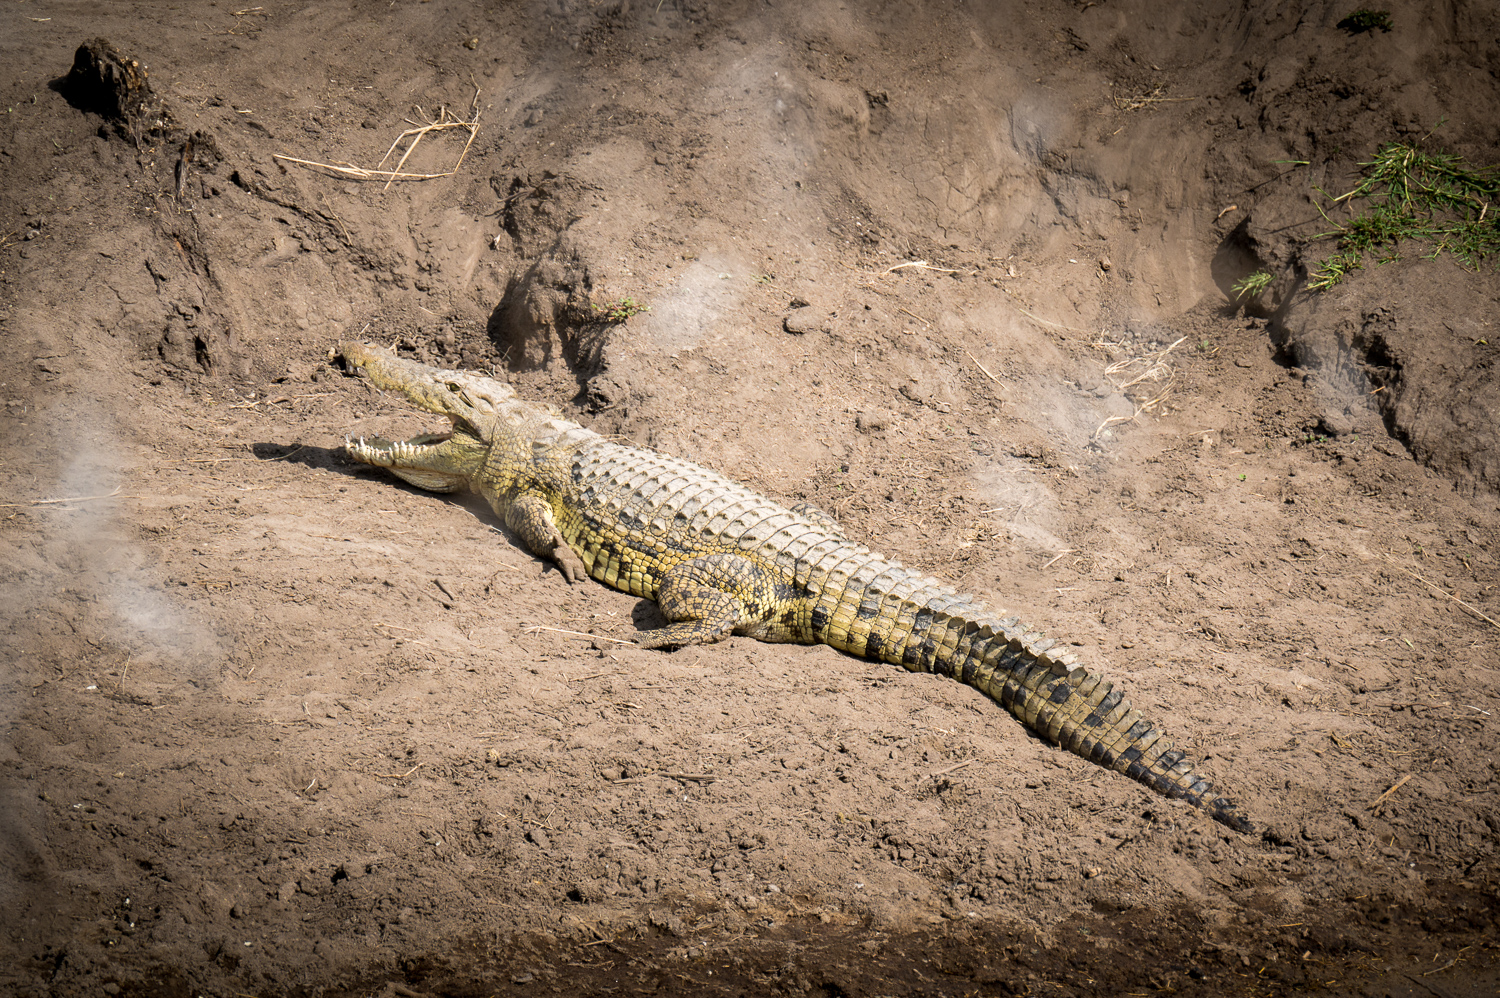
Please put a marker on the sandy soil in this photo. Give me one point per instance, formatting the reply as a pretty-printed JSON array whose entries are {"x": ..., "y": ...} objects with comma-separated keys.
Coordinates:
[{"x": 278, "y": 725}]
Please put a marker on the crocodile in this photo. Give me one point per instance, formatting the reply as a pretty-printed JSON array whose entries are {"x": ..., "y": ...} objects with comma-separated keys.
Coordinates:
[{"x": 720, "y": 559}]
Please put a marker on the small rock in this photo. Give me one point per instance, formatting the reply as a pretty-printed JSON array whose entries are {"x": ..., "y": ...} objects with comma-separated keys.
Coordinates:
[
  {"x": 539, "y": 839},
  {"x": 871, "y": 422},
  {"x": 296, "y": 372},
  {"x": 535, "y": 117},
  {"x": 1336, "y": 424},
  {"x": 801, "y": 321},
  {"x": 286, "y": 891},
  {"x": 916, "y": 392},
  {"x": 1241, "y": 362}
]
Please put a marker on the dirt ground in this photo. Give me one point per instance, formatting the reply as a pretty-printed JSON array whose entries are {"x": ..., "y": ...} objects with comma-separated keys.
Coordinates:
[{"x": 959, "y": 272}]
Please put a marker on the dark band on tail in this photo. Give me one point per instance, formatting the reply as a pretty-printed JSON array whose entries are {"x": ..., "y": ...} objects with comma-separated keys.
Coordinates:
[{"x": 1083, "y": 713}]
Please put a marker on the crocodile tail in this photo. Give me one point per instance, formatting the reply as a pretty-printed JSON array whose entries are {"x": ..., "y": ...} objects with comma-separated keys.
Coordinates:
[{"x": 1083, "y": 713}]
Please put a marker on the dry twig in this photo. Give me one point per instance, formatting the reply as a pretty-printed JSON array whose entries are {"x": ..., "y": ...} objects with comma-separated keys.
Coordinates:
[
  {"x": 1149, "y": 98},
  {"x": 582, "y": 634},
  {"x": 948, "y": 769},
  {"x": 918, "y": 264},
  {"x": 1038, "y": 319},
  {"x": 445, "y": 120},
  {"x": 49, "y": 502},
  {"x": 400, "y": 776},
  {"x": 1454, "y": 598},
  {"x": 1385, "y": 796},
  {"x": 986, "y": 370}
]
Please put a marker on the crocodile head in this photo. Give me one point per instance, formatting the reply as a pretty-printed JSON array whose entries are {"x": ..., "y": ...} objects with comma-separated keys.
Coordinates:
[{"x": 439, "y": 462}]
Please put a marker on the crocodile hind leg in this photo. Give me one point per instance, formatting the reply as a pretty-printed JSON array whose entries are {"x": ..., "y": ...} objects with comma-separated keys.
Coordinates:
[{"x": 709, "y": 598}]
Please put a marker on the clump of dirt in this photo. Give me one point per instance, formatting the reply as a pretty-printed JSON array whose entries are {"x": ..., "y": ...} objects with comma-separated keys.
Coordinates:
[
  {"x": 117, "y": 88},
  {"x": 1416, "y": 348},
  {"x": 279, "y": 724}
]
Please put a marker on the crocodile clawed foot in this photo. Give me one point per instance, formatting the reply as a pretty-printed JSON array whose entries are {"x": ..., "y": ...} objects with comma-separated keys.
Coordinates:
[
  {"x": 569, "y": 564},
  {"x": 684, "y": 633}
]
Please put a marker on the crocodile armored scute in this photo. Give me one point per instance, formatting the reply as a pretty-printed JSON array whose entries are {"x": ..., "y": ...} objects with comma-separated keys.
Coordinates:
[{"x": 720, "y": 559}]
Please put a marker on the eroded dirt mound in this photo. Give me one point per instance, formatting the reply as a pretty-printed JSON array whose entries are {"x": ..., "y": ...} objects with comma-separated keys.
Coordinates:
[
  {"x": 277, "y": 724},
  {"x": 1414, "y": 343}
]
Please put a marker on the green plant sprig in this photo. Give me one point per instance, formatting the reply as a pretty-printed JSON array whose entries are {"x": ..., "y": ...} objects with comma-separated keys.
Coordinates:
[
  {"x": 1252, "y": 285},
  {"x": 1434, "y": 197},
  {"x": 619, "y": 311},
  {"x": 1365, "y": 19}
]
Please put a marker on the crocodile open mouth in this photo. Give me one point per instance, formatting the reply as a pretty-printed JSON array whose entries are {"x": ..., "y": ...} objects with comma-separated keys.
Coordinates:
[
  {"x": 439, "y": 462},
  {"x": 378, "y": 450}
]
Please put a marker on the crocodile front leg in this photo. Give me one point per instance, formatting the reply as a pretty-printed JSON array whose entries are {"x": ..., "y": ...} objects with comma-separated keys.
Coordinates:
[
  {"x": 530, "y": 516},
  {"x": 707, "y": 599}
]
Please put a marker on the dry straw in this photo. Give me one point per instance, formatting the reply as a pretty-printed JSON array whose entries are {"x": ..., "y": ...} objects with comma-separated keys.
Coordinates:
[
  {"x": 1150, "y": 98},
  {"x": 917, "y": 264},
  {"x": 50, "y": 502},
  {"x": 1136, "y": 372},
  {"x": 445, "y": 120},
  {"x": 1436, "y": 588}
]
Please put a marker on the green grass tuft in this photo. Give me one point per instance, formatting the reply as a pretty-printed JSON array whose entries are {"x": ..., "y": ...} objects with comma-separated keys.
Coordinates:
[
  {"x": 619, "y": 311},
  {"x": 1252, "y": 285},
  {"x": 1364, "y": 19},
  {"x": 1414, "y": 195}
]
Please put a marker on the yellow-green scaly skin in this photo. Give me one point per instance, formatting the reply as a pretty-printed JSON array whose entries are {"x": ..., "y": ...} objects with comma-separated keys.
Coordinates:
[{"x": 720, "y": 559}]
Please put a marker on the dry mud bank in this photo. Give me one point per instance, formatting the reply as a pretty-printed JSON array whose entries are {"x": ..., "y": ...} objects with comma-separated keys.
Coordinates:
[{"x": 276, "y": 724}]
